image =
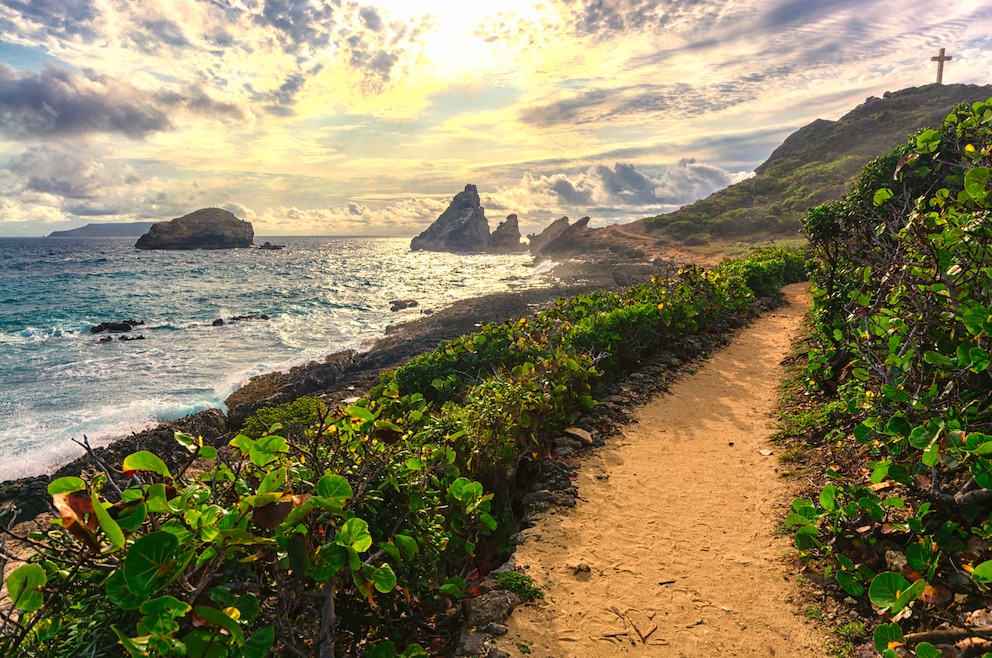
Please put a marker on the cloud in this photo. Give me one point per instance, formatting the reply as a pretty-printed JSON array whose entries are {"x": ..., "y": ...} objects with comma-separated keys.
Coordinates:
[
  {"x": 612, "y": 191},
  {"x": 59, "y": 103},
  {"x": 64, "y": 17}
]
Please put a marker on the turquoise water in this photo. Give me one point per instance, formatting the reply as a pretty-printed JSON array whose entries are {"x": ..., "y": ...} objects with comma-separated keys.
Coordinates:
[{"x": 58, "y": 381}]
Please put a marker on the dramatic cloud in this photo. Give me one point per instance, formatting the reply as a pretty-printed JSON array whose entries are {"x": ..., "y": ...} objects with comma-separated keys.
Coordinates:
[
  {"x": 59, "y": 103},
  {"x": 601, "y": 191},
  {"x": 366, "y": 116}
]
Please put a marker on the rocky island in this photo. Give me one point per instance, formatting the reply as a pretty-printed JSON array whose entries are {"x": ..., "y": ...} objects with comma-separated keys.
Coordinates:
[
  {"x": 463, "y": 228},
  {"x": 208, "y": 228}
]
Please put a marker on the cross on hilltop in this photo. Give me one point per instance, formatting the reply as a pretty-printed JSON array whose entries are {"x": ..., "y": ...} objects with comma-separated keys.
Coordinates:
[{"x": 940, "y": 59}]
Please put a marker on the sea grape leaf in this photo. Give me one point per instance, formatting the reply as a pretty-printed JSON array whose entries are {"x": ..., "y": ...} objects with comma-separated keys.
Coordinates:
[
  {"x": 259, "y": 644},
  {"x": 76, "y": 514},
  {"x": 119, "y": 594},
  {"x": 927, "y": 650},
  {"x": 202, "y": 643},
  {"x": 886, "y": 589},
  {"x": 335, "y": 492},
  {"x": 160, "y": 615},
  {"x": 887, "y": 636},
  {"x": 267, "y": 449},
  {"x": 274, "y": 481},
  {"x": 270, "y": 515},
  {"x": 110, "y": 528},
  {"x": 384, "y": 578},
  {"x": 219, "y": 619},
  {"x": 150, "y": 562},
  {"x": 145, "y": 461},
  {"x": 24, "y": 587},
  {"x": 354, "y": 533},
  {"x": 983, "y": 573},
  {"x": 66, "y": 485}
]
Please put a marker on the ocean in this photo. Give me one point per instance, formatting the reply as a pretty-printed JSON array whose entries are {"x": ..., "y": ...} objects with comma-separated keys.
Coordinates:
[{"x": 58, "y": 381}]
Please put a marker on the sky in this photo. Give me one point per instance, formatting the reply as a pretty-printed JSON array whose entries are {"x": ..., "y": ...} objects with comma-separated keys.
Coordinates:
[{"x": 332, "y": 117}]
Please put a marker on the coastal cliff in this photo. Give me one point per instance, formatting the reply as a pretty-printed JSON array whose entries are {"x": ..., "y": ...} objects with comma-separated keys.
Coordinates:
[{"x": 208, "y": 228}]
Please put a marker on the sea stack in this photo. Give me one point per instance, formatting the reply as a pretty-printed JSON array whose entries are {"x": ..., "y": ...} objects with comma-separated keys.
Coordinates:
[
  {"x": 208, "y": 228},
  {"x": 462, "y": 228},
  {"x": 506, "y": 238}
]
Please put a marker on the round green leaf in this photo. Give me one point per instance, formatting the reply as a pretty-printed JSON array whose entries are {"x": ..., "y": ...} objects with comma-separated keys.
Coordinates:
[
  {"x": 24, "y": 587},
  {"x": 355, "y": 534},
  {"x": 149, "y": 563},
  {"x": 886, "y": 588},
  {"x": 983, "y": 573},
  {"x": 927, "y": 650},
  {"x": 384, "y": 579},
  {"x": 887, "y": 636},
  {"x": 976, "y": 183},
  {"x": 119, "y": 594},
  {"x": 334, "y": 487},
  {"x": 145, "y": 461},
  {"x": 160, "y": 615}
]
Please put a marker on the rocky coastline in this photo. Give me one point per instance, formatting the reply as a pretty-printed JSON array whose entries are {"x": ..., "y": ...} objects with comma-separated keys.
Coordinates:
[{"x": 337, "y": 376}]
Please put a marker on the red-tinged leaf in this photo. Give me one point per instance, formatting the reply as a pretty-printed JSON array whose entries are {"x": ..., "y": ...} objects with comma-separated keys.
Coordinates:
[
  {"x": 271, "y": 515},
  {"x": 937, "y": 594},
  {"x": 78, "y": 518}
]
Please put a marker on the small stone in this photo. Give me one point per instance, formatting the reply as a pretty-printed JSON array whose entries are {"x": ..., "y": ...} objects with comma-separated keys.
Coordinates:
[
  {"x": 471, "y": 644},
  {"x": 581, "y": 567},
  {"x": 492, "y": 607},
  {"x": 765, "y": 453},
  {"x": 495, "y": 629},
  {"x": 579, "y": 434}
]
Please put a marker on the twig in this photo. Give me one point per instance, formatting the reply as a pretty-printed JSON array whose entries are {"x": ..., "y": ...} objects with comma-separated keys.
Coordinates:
[{"x": 85, "y": 443}]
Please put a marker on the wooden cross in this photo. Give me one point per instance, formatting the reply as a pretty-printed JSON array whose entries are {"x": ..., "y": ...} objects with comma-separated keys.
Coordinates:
[{"x": 940, "y": 59}]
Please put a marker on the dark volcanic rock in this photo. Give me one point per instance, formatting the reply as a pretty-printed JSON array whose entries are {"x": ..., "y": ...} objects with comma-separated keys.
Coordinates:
[
  {"x": 116, "y": 327},
  {"x": 463, "y": 227},
  {"x": 552, "y": 231},
  {"x": 209, "y": 228},
  {"x": 506, "y": 238},
  {"x": 570, "y": 238},
  {"x": 276, "y": 388}
]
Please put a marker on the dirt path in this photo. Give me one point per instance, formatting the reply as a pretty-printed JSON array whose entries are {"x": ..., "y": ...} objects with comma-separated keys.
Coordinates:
[{"x": 671, "y": 549}]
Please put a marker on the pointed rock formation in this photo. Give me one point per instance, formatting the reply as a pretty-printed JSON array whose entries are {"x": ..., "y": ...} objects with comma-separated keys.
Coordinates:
[
  {"x": 552, "y": 231},
  {"x": 463, "y": 227},
  {"x": 506, "y": 238},
  {"x": 208, "y": 228},
  {"x": 570, "y": 239}
]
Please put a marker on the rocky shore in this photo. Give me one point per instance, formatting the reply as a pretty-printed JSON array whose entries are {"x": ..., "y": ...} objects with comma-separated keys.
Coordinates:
[{"x": 338, "y": 376}]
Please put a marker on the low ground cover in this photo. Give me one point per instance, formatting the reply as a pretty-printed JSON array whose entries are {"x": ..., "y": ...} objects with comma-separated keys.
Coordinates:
[{"x": 354, "y": 530}]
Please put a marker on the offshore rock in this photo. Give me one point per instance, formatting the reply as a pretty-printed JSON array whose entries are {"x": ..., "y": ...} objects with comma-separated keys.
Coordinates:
[
  {"x": 461, "y": 228},
  {"x": 208, "y": 228},
  {"x": 551, "y": 232},
  {"x": 506, "y": 238}
]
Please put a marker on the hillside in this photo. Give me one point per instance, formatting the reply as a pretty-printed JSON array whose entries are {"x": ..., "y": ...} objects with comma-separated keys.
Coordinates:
[
  {"x": 813, "y": 165},
  {"x": 105, "y": 230}
]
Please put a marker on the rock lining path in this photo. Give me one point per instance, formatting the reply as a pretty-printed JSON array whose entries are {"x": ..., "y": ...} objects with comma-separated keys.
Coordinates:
[{"x": 671, "y": 550}]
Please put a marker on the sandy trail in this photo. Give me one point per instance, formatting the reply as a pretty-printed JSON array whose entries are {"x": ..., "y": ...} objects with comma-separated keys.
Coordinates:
[{"x": 671, "y": 549}]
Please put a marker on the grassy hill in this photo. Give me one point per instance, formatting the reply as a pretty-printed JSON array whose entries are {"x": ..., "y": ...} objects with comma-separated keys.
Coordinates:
[{"x": 813, "y": 165}]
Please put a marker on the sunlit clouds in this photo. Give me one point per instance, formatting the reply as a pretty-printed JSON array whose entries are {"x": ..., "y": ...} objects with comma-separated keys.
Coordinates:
[{"x": 345, "y": 118}]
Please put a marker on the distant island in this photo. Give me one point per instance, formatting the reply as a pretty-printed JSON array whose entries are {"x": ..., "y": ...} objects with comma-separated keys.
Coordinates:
[
  {"x": 207, "y": 228},
  {"x": 105, "y": 230}
]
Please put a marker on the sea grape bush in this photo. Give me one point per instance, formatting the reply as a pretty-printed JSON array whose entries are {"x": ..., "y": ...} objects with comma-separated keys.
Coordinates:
[
  {"x": 903, "y": 319},
  {"x": 346, "y": 531}
]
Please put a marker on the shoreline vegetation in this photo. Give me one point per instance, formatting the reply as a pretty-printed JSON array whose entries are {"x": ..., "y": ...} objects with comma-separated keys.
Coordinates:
[{"x": 362, "y": 522}]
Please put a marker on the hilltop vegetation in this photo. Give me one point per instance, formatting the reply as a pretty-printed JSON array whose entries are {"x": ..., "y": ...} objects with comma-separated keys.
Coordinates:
[{"x": 814, "y": 165}]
